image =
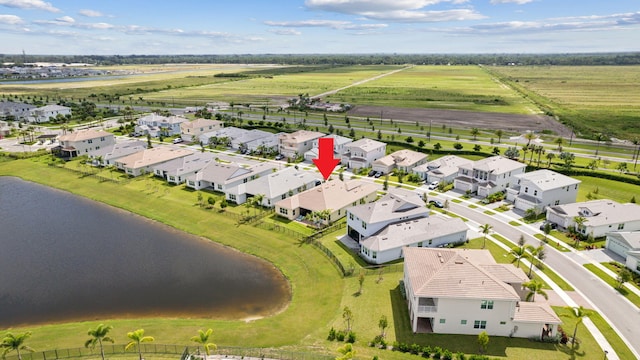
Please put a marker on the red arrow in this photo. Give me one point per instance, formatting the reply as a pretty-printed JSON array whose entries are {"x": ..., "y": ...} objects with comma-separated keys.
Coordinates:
[{"x": 325, "y": 161}]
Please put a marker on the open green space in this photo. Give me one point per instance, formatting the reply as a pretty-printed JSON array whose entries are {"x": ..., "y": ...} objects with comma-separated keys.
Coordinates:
[
  {"x": 443, "y": 87},
  {"x": 594, "y": 99},
  {"x": 606, "y": 189}
]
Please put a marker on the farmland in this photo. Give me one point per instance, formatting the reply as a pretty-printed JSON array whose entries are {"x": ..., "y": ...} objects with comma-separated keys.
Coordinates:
[{"x": 585, "y": 97}]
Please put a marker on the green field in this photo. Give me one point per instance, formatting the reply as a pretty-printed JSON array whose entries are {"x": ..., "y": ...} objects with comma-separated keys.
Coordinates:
[
  {"x": 588, "y": 97},
  {"x": 442, "y": 87},
  {"x": 606, "y": 189}
]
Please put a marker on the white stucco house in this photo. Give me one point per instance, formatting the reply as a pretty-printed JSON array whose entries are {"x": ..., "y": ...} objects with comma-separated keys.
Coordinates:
[
  {"x": 443, "y": 170},
  {"x": 339, "y": 147},
  {"x": 82, "y": 142},
  {"x": 227, "y": 134},
  {"x": 601, "y": 216},
  {"x": 107, "y": 155},
  {"x": 390, "y": 243},
  {"x": 542, "y": 188},
  {"x": 222, "y": 177},
  {"x": 363, "y": 152},
  {"x": 156, "y": 125},
  {"x": 10, "y": 110},
  {"x": 487, "y": 176},
  {"x": 275, "y": 186},
  {"x": 451, "y": 291},
  {"x": 396, "y": 206},
  {"x": 45, "y": 113},
  {"x": 143, "y": 162},
  {"x": 627, "y": 245},
  {"x": 177, "y": 170},
  {"x": 241, "y": 142},
  {"x": 191, "y": 130},
  {"x": 404, "y": 160},
  {"x": 335, "y": 196},
  {"x": 297, "y": 143}
]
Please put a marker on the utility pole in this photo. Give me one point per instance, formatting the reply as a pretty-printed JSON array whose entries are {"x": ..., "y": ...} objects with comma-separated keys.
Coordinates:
[{"x": 430, "y": 130}]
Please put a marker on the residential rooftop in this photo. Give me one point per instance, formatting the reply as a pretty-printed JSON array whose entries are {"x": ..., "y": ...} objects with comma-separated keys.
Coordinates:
[
  {"x": 81, "y": 135},
  {"x": 332, "y": 195},
  {"x": 495, "y": 164},
  {"x": 546, "y": 179},
  {"x": 153, "y": 156},
  {"x": 366, "y": 144},
  {"x": 600, "y": 212},
  {"x": 395, "y": 204},
  {"x": 630, "y": 238}
]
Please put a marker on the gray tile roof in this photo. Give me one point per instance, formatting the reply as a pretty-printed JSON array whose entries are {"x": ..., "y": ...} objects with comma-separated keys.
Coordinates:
[
  {"x": 547, "y": 179},
  {"x": 604, "y": 211},
  {"x": 395, "y": 204},
  {"x": 187, "y": 164},
  {"x": 280, "y": 182},
  {"x": 120, "y": 149},
  {"x": 630, "y": 238},
  {"x": 413, "y": 231},
  {"x": 449, "y": 273},
  {"x": 445, "y": 166},
  {"x": 496, "y": 165},
  {"x": 366, "y": 144}
]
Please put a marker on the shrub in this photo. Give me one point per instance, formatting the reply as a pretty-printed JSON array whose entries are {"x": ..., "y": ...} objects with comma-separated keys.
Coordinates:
[
  {"x": 351, "y": 337},
  {"x": 340, "y": 335},
  {"x": 415, "y": 349},
  {"x": 426, "y": 351},
  {"x": 437, "y": 352},
  {"x": 460, "y": 355},
  {"x": 447, "y": 355},
  {"x": 332, "y": 334},
  {"x": 478, "y": 357}
]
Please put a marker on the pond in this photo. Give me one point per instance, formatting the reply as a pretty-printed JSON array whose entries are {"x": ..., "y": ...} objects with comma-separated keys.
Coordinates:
[{"x": 66, "y": 258}]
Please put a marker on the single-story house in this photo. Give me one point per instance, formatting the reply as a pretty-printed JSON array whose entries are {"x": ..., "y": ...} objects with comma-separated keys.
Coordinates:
[
  {"x": 223, "y": 177},
  {"x": 403, "y": 160},
  {"x": 442, "y": 170},
  {"x": 177, "y": 170},
  {"x": 601, "y": 216},
  {"x": 106, "y": 156},
  {"x": 144, "y": 161},
  {"x": 627, "y": 245}
]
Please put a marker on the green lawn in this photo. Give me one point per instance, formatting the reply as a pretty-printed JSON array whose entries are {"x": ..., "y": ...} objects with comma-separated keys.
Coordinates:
[{"x": 606, "y": 189}]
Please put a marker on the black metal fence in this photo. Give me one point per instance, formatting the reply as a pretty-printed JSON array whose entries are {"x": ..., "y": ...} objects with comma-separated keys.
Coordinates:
[
  {"x": 180, "y": 352},
  {"x": 92, "y": 174}
]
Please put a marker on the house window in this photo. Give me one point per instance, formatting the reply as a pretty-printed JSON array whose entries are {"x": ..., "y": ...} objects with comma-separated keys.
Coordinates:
[
  {"x": 102, "y": 138},
  {"x": 503, "y": 323},
  {"x": 486, "y": 304},
  {"x": 557, "y": 202},
  {"x": 442, "y": 321},
  {"x": 535, "y": 192},
  {"x": 90, "y": 141},
  {"x": 244, "y": 181},
  {"x": 480, "y": 324},
  {"x": 219, "y": 186},
  {"x": 350, "y": 216},
  {"x": 284, "y": 196},
  {"x": 364, "y": 225},
  {"x": 620, "y": 226},
  {"x": 463, "y": 322},
  {"x": 283, "y": 211},
  {"x": 232, "y": 197},
  {"x": 375, "y": 254},
  {"x": 420, "y": 244},
  {"x": 526, "y": 189},
  {"x": 430, "y": 241}
]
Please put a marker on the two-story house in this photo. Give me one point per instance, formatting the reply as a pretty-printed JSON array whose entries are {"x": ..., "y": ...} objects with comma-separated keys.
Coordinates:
[
  {"x": 403, "y": 160},
  {"x": 223, "y": 177},
  {"x": 333, "y": 196},
  {"x": 191, "y": 130},
  {"x": 81, "y": 142},
  {"x": 443, "y": 170},
  {"x": 15, "y": 111},
  {"x": 451, "y": 291},
  {"x": 276, "y": 186},
  {"x": 177, "y": 170},
  {"x": 540, "y": 189},
  {"x": 487, "y": 176},
  {"x": 297, "y": 143},
  {"x": 156, "y": 125},
  {"x": 339, "y": 147},
  {"x": 362, "y": 153},
  {"x": 600, "y": 217},
  {"x": 45, "y": 113}
]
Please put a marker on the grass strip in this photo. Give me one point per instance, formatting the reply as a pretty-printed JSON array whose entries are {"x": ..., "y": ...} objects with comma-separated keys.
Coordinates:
[{"x": 635, "y": 299}]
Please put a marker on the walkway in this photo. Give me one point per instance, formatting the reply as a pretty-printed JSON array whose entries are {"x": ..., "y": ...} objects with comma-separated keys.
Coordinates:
[{"x": 331, "y": 92}]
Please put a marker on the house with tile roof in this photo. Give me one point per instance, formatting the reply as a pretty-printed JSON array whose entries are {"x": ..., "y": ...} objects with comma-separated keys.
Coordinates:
[
  {"x": 404, "y": 160},
  {"x": 222, "y": 177},
  {"x": 542, "y": 188},
  {"x": 177, "y": 170},
  {"x": 297, "y": 143},
  {"x": 15, "y": 111},
  {"x": 397, "y": 205},
  {"x": 462, "y": 291},
  {"x": 362, "y": 153},
  {"x": 228, "y": 134},
  {"x": 601, "y": 216},
  {"x": 156, "y": 125},
  {"x": 191, "y": 130},
  {"x": 243, "y": 141},
  {"x": 442, "y": 170},
  {"x": 487, "y": 176},
  {"x": 81, "y": 142},
  {"x": 339, "y": 147},
  {"x": 143, "y": 162},
  {"x": 45, "y": 113},
  {"x": 275, "y": 186},
  {"x": 107, "y": 155},
  {"x": 390, "y": 243},
  {"x": 334, "y": 196},
  {"x": 627, "y": 245}
]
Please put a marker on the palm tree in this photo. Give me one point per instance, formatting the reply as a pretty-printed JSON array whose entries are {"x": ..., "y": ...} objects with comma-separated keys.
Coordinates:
[
  {"x": 519, "y": 252},
  {"x": 486, "y": 229},
  {"x": 98, "y": 335},
  {"x": 12, "y": 342},
  {"x": 599, "y": 137},
  {"x": 257, "y": 200},
  {"x": 540, "y": 150},
  {"x": 579, "y": 313},
  {"x": 499, "y": 133},
  {"x": 550, "y": 156},
  {"x": 137, "y": 337},
  {"x": 536, "y": 253},
  {"x": 559, "y": 141},
  {"x": 579, "y": 223},
  {"x": 529, "y": 136},
  {"x": 534, "y": 287},
  {"x": 203, "y": 338}
]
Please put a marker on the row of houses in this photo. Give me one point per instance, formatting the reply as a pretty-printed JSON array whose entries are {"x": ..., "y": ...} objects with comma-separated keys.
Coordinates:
[{"x": 31, "y": 113}]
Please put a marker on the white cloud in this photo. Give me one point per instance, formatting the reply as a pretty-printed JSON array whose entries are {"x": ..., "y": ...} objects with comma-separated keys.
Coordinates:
[
  {"x": 10, "y": 19},
  {"x": 519, "y": 2},
  {"x": 333, "y": 24},
  {"x": 397, "y": 11},
  {"x": 90, "y": 13},
  {"x": 29, "y": 4},
  {"x": 287, "y": 32}
]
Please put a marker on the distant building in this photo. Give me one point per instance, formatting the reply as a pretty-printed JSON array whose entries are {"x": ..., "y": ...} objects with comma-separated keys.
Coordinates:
[
  {"x": 82, "y": 142},
  {"x": 45, "y": 113},
  {"x": 297, "y": 143},
  {"x": 191, "y": 130},
  {"x": 627, "y": 245},
  {"x": 176, "y": 171},
  {"x": 403, "y": 160},
  {"x": 107, "y": 155},
  {"x": 443, "y": 170},
  {"x": 339, "y": 147},
  {"x": 156, "y": 125},
  {"x": 222, "y": 177},
  {"x": 143, "y": 162},
  {"x": 15, "y": 111},
  {"x": 362, "y": 153}
]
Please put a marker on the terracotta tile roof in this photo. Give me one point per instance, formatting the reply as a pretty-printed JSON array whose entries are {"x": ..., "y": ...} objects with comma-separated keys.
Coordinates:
[{"x": 81, "y": 135}]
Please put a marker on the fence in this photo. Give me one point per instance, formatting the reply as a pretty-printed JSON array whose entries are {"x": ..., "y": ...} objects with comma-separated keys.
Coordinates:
[
  {"x": 180, "y": 351},
  {"x": 86, "y": 173},
  {"x": 275, "y": 227}
]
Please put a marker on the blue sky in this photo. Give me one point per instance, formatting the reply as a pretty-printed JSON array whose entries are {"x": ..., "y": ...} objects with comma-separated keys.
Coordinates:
[{"x": 126, "y": 27}]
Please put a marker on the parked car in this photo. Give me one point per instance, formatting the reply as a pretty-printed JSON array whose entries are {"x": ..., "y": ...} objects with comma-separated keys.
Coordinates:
[
  {"x": 433, "y": 185},
  {"x": 279, "y": 157},
  {"x": 372, "y": 172},
  {"x": 436, "y": 203},
  {"x": 553, "y": 225},
  {"x": 377, "y": 174},
  {"x": 177, "y": 140}
]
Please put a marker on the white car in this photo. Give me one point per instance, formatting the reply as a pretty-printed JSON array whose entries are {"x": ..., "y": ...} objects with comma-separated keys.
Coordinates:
[
  {"x": 177, "y": 140},
  {"x": 434, "y": 185}
]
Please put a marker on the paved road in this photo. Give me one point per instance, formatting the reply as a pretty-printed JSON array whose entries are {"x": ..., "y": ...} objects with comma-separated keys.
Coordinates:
[{"x": 618, "y": 311}]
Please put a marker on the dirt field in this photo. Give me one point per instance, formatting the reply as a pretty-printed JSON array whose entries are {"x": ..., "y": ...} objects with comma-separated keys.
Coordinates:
[{"x": 465, "y": 119}]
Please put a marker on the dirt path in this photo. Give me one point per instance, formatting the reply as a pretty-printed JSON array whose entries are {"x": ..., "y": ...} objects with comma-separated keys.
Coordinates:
[{"x": 359, "y": 82}]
